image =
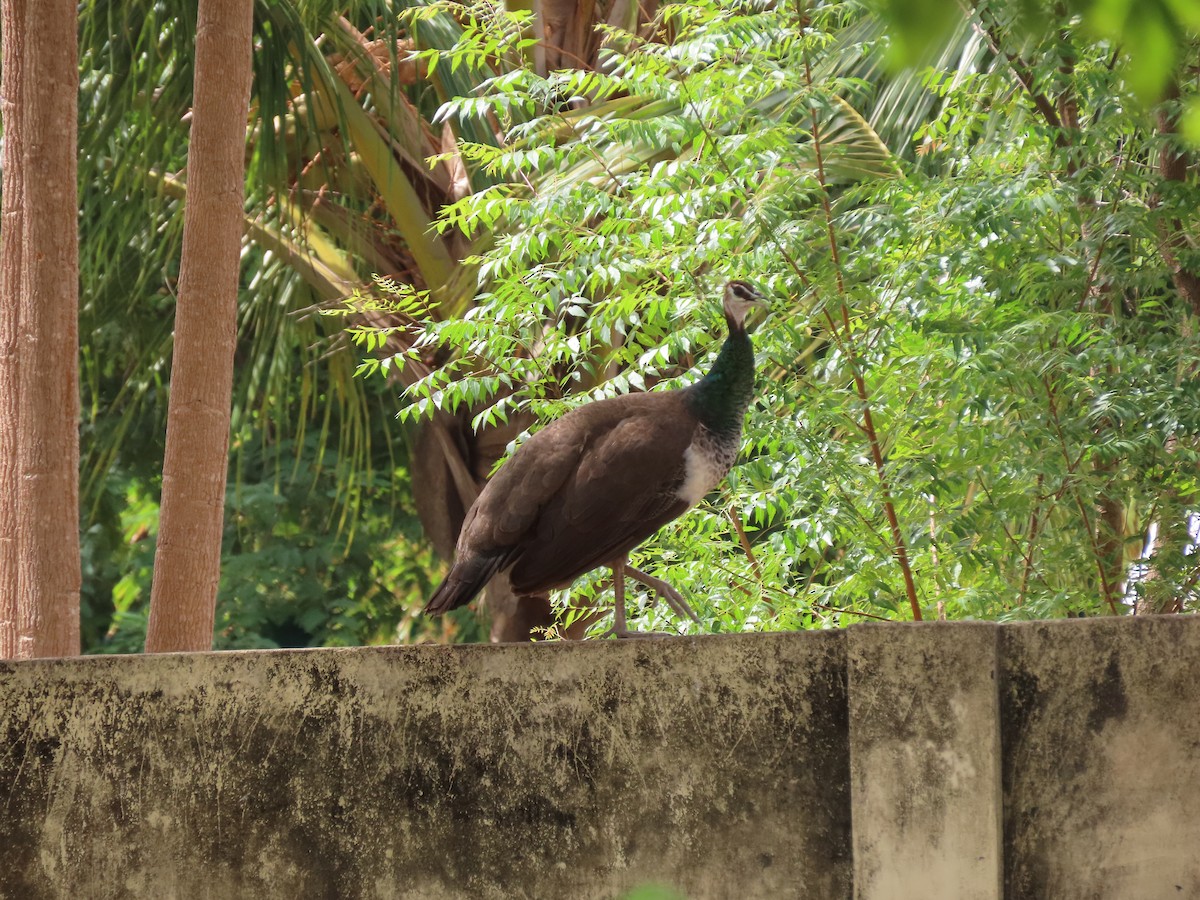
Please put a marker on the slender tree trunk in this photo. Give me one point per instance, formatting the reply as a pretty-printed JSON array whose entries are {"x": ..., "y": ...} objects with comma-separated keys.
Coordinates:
[
  {"x": 1110, "y": 537},
  {"x": 188, "y": 557},
  {"x": 1177, "y": 246},
  {"x": 39, "y": 340},
  {"x": 12, "y": 33},
  {"x": 569, "y": 33}
]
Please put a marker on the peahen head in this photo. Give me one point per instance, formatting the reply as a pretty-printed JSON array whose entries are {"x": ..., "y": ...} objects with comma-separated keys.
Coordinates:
[{"x": 740, "y": 298}]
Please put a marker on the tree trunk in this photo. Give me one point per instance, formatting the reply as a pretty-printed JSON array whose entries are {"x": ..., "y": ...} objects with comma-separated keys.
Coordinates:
[
  {"x": 1177, "y": 245},
  {"x": 1110, "y": 541},
  {"x": 12, "y": 34},
  {"x": 187, "y": 560},
  {"x": 39, "y": 340},
  {"x": 570, "y": 33}
]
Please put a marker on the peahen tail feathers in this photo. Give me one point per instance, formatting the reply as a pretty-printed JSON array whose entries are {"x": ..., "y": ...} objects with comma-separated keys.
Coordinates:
[{"x": 465, "y": 579}]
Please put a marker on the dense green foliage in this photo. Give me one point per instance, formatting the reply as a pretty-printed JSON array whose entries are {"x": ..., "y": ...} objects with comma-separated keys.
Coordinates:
[
  {"x": 981, "y": 365},
  {"x": 322, "y": 545},
  {"x": 303, "y": 564}
]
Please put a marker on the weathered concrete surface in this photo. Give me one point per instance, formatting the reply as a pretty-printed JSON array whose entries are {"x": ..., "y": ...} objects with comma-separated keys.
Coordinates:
[
  {"x": 718, "y": 766},
  {"x": 925, "y": 762},
  {"x": 723, "y": 767},
  {"x": 1101, "y": 722}
]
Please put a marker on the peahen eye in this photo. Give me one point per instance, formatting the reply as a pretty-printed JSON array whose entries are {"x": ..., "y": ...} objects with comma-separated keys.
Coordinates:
[{"x": 744, "y": 291}]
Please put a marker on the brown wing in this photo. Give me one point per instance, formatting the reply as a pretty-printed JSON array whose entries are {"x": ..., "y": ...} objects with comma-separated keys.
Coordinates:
[
  {"x": 620, "y": 491},
  {"x": 509, "y": 505},
  {"x": 503, "y": 513}
]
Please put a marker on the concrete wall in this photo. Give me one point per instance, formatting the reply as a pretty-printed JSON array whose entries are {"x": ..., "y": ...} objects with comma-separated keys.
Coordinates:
[{"x": 958, "y": 761}]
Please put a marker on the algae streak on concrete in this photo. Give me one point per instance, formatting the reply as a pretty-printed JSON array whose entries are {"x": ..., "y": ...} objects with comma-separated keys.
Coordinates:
[
  {"x": 1101, "y": 770},
  {"x": 717, "y": 766}
]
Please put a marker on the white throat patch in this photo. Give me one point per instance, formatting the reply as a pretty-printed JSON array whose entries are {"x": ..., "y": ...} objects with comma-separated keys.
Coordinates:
[{"x": 705, "y": 462}]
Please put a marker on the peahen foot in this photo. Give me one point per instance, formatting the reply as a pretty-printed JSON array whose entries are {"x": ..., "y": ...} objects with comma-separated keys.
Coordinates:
[{"x": 620, "y": 567}]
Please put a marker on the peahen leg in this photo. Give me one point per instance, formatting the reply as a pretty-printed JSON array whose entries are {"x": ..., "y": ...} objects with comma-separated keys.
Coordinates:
[
  {"x": 620, "y": 629},
  {"x": 673, "y": 598},
  {"x": 618, "y": 569}
]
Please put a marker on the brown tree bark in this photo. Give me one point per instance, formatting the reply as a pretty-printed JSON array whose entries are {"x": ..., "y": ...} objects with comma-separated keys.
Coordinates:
[
  {"x": 187, "y": 560},
  {"x": 39, "y": 341},
  {"x": 1173, "y": 165},
  {"x": 1110, "y": 538},
  {"x": 569, "y": 28},
  {"x": 12, "y": 35}
]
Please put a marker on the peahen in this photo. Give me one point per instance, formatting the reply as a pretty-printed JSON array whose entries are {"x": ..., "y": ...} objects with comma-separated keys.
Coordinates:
[{"x": 592, "y": 485}]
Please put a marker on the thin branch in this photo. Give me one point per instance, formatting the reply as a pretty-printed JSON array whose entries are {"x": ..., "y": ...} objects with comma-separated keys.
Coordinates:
[
  {"x": 1105, "y": 586},
  {"x": 899, "y": 546},
  {"x": 779, "y": 592},
  {"x": 1034, "y": 525},
  {"x": 1021, "y": 71},
  {"x": 736, "y": 519},
  {"x": 1027, "y": 557}
]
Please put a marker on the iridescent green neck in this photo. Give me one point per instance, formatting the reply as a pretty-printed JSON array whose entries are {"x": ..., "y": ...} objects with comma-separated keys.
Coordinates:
[{"x": 721, "y": 397}]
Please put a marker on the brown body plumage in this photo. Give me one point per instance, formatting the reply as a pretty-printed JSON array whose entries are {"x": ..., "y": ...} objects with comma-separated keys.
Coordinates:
[{"x": 592, "y": 485}]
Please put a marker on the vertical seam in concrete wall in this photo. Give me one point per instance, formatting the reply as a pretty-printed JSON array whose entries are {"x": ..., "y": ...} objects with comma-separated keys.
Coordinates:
[
  {"x": 997, "y": 778},
  {"x": 924, "y": 762}
]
